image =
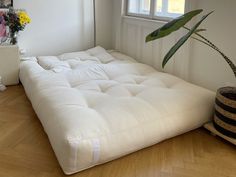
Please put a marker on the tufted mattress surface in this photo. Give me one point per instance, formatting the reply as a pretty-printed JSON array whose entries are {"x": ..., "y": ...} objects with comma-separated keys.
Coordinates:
[{"x": 97, "y": 106}]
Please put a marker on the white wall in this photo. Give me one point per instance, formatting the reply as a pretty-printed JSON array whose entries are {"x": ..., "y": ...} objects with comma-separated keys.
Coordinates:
[
  {"x": 117, "y": 13},
  {"x": 57, "y": 26},
  {"x": 204, "y": 67},
  {"x": 104, "y": 13},
  {"x": 207, "y": 68}
]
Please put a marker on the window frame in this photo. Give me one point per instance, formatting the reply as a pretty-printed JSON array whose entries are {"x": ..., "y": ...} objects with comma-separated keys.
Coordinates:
[
  {"x": 152, "y": 15},
  {"x": 137, "y": 14}
]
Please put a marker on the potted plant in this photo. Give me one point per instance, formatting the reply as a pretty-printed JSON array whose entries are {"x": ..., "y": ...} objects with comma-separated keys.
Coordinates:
[{"x": 225, "y": 104}]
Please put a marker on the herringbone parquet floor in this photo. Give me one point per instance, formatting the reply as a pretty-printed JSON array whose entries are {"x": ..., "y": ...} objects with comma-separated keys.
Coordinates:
[{"x": 25, "y": 150}]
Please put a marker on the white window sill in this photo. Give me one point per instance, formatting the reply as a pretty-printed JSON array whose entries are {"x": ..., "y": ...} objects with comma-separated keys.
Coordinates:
[{"x": 143, "y": 19}]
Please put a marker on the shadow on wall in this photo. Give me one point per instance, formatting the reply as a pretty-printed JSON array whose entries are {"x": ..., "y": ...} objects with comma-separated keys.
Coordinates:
[{"x": 66, "y": 27}]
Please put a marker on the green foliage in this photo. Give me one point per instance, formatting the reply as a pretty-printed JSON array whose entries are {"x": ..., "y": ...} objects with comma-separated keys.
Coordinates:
[
  {"x": 179, "y": 23},
  {"x": 182, "y": 40},
  {"x": 172, "y": 26},
  {"x": 199, "y": 30}
]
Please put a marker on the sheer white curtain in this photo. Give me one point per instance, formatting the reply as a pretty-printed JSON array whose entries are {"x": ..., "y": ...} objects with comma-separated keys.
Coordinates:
[{"x": 129, "y": 37}]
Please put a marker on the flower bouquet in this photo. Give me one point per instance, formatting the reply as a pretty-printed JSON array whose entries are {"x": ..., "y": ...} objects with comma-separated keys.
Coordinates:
[{"x": 12, "y": 22}]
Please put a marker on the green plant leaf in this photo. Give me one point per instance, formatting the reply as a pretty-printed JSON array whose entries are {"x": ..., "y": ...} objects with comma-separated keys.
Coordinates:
[
  {"x": 199, "y": 30},
  {"x": 196, "y": 31},
  {"x": 182, "y": 40},
  {"x": 172, "y": 26}
]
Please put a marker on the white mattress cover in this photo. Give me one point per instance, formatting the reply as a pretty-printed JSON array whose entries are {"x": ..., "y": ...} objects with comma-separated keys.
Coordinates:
[{"x": 97, "y": 106}]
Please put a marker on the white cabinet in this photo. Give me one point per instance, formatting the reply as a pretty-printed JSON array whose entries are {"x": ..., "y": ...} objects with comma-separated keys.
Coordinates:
[{"x": 9, "y": 64}]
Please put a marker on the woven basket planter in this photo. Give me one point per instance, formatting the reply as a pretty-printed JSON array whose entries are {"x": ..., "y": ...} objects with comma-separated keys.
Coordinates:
[{"x": 225, "y": 111}]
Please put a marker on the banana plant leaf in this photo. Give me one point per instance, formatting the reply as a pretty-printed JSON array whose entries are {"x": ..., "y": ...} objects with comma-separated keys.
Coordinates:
[
  {"x": 172, "y": 26},
  {"x": 199, "y": 30},
  {"x": 196, "y": 31},
  {"x": 182, "y": 40}
]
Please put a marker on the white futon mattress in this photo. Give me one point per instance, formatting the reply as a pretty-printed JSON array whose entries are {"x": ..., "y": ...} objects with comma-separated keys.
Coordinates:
[{"x": 96, "y": 106}]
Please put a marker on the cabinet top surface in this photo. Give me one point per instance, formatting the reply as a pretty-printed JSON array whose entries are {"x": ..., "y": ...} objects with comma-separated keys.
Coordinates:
[{"x": 8, "y": 46}]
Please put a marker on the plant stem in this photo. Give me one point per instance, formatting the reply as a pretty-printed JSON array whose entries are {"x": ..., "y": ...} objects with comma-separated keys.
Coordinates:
[{"x": 210, "y": 44}]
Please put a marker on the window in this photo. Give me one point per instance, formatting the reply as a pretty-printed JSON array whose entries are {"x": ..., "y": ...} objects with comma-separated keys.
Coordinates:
[
  {"x": 156, "y": 9},
  {"x": 139, "y": 6}
]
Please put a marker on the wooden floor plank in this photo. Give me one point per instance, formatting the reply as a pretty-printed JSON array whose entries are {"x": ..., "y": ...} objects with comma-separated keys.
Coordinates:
[{"x": 25, "y": 150}]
